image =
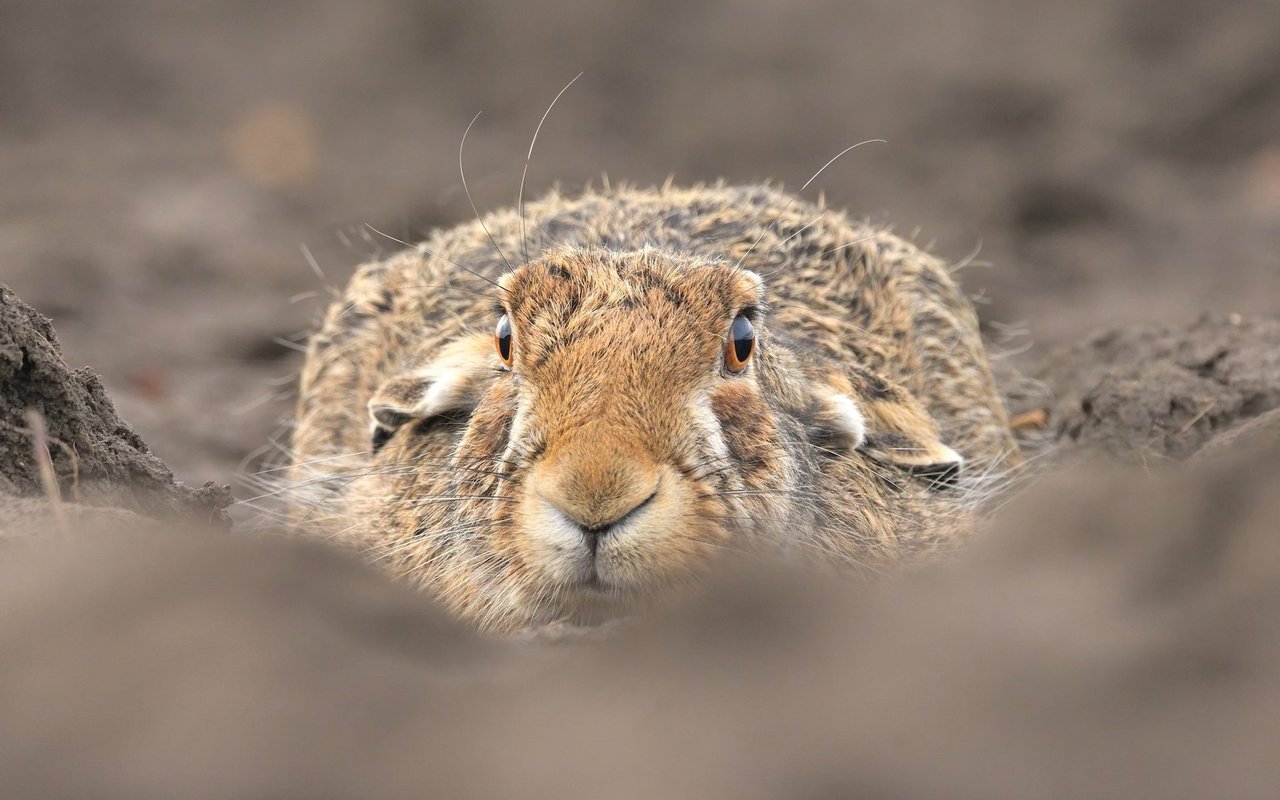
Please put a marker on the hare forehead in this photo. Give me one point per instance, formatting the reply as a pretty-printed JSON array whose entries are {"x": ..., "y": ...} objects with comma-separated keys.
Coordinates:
[
  {"x": 644, "y": 277},
  {"x": 661, "y": 327}
]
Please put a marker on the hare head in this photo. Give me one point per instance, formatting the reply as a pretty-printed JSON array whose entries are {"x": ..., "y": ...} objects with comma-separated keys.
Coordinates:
[{"x": 628, "y": 417}]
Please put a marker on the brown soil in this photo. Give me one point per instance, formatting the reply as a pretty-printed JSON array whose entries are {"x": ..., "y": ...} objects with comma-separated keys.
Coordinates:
[
  {"x": 96, "y": 458},
  {"x": 1113, "y": 636},
  {"x": 1148, "y": 391}
]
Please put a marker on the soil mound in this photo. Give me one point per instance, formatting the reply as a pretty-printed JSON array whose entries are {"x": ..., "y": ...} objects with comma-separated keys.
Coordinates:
[
  {"x": 1158, "y": 391},
  {"x": 97, "y": 457}
]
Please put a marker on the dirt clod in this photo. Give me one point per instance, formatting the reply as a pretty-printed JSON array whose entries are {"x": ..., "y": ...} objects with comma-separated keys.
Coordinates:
[
  {"x": 1161, "y": 391},
  {"x": 97, "y": 457}
]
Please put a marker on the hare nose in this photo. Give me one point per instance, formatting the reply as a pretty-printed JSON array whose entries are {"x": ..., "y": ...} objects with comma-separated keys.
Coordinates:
[
  {"x": 596, "y": 492},
  {"x": 602, "y": 521}
]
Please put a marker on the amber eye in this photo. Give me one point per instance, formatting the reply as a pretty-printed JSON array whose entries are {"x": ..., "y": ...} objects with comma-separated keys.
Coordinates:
[
  {"x": 742, "y": 343},
  {"x": 502, "y": 338}
]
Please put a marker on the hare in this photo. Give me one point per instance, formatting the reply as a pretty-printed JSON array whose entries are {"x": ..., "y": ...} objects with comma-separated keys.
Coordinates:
[{"x": 562, "y": 414}]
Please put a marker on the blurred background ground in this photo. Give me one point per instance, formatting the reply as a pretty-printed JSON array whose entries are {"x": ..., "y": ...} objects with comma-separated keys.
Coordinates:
[{"x": 1116, "y": 160}]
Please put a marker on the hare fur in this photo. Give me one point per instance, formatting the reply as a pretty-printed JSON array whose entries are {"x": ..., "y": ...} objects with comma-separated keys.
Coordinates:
[{"x": 619, "y": 453}]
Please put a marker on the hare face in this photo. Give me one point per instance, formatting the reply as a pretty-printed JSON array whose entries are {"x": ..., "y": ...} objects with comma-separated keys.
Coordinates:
[
  {"x": 617, "y": 429},
  {"x": 623, "y": 366}
]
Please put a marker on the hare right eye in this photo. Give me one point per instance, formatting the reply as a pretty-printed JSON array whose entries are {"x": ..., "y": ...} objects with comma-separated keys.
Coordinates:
[{"x": 742, "y": 343}]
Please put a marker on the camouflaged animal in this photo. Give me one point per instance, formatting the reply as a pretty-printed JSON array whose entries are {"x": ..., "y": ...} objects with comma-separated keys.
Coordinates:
[{"x": 560, "y": 417}]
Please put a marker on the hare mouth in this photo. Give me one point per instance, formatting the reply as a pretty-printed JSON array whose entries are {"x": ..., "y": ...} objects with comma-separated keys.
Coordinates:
[
  {"x": 637, "y": 551},
  {"x": 587, "y": 558}
]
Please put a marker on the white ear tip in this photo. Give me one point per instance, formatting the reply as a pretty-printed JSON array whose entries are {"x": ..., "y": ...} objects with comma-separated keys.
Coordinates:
[
  {"x": 848, "y": 419},
  {"x": 446, "y": 393}
]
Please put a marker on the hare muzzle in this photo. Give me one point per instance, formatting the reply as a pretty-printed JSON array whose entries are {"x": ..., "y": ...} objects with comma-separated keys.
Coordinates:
[{"x": 597, "y": 515}]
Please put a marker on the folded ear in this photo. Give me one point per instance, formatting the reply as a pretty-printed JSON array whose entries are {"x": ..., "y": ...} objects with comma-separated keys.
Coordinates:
[
  {"x": 838, "y": 419},
  {"x": 869, "y": 413},
  {"x": 449, "y": 383}
]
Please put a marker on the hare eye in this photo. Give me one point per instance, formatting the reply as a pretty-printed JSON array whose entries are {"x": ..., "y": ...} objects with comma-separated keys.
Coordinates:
[
  {"x": 502, "y": 339},
  {"x": 742, "y": 343}
]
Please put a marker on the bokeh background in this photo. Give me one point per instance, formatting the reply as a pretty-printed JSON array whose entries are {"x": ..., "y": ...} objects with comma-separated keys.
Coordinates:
[{"x": 164, "y": 164}]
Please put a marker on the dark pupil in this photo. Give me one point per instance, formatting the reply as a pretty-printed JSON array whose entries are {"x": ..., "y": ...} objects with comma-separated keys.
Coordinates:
[
  {"x": 504, "y": 338},
  {"x": 744, "y": 339}
]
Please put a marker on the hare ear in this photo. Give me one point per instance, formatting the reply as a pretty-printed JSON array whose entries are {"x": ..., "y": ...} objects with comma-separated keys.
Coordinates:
[
  {"x": 447, "y": 384},
  {"x": 840, "y": 420},
  {"x": 927, "y": 458},
  {"x": 884, "y": 421}
]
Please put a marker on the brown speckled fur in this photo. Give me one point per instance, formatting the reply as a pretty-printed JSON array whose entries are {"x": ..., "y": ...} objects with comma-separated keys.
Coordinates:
[{"x": 621, "y": 314}]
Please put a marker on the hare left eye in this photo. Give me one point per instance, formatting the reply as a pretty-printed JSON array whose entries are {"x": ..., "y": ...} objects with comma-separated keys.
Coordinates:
[
  {"x": 742, "y": 343},
  {"x": 502, "y": 339}
]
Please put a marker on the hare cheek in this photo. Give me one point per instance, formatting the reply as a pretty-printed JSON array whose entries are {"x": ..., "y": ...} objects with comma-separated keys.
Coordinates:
[
  {"x": 707, "y": 426},
  {"x": 519, "y": 427}
]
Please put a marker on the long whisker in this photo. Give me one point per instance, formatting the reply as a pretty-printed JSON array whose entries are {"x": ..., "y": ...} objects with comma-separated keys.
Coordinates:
[
  {"x": 807, "y": 226},
  {"x": 796, "y": 196},
  {"x": 425, "y": 251},
  {"x": 467, "y": 190},
  {"x": 333, "y": 291},
  {"x": 452, "y": 286},
  {"x": 524, "y": 239},
  {"x": 847, "y": 245}
]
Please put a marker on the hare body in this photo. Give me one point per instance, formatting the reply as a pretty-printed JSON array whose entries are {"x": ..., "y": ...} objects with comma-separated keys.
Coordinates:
[{"x": 625, "y": 444}]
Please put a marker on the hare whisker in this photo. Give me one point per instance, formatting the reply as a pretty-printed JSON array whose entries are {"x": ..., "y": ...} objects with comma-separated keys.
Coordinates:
[
  {"x": 467, "y": 190},
  {"x": 796, "y": 196},
  {"x": 524, "y": 239}
]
